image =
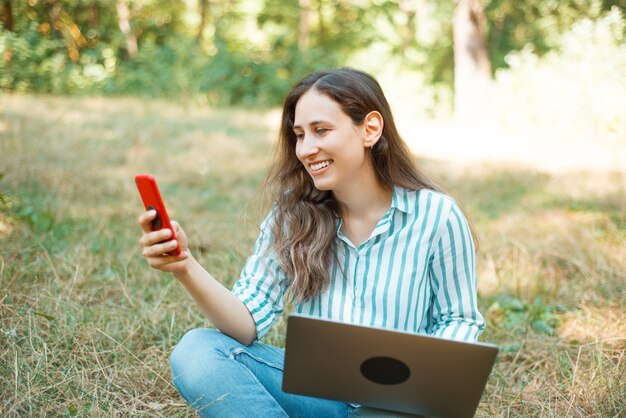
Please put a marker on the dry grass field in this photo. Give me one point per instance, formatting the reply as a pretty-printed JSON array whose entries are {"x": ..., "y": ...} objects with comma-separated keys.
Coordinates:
[{"x": 86, "y": 327}]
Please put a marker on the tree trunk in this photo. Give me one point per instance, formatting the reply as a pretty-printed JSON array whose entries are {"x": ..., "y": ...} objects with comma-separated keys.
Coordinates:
[
  {"x": 94, "y": 15},
  {"x": 204, "y": 7},
  {"x": 123, "y": 14},
  {"x": 408, "y": 31},
  {"x": 304, "y": 30},
  {"x": 7, "y": 22},
  {"x": 472, "y": 67},
  {"x": 53, "y": 13},
  {"x": 321, "y": 30}
]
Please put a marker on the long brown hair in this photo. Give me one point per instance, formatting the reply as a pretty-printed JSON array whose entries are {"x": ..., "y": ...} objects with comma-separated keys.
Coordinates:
[{"x": 304, "y": 223}]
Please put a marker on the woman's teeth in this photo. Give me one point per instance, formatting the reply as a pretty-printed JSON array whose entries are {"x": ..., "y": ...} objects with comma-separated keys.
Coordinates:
[{"x": 319, "y": 166}]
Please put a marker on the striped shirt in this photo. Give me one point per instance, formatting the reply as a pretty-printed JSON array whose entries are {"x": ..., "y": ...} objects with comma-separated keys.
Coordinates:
[{"x": 415, "y": 273}]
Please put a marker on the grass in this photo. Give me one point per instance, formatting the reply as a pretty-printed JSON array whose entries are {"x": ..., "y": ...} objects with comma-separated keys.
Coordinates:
[{"x": 87, "y": 327}]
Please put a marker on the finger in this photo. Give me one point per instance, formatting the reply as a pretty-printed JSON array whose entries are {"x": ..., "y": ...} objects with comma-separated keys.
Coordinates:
[
  {"x": 162, "y": 261},
  {"x": 161, "y": 249},
  {"x": 146, "y": 218},
  {"x": 151, "y": 238},
  {"x": 155, "y": 237}
]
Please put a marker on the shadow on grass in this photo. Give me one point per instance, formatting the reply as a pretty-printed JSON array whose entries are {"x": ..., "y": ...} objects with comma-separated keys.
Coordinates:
[{"x": 491, "y": 191}]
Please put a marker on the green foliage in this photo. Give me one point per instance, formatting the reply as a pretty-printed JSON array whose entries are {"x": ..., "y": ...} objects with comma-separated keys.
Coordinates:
[
  {"x": 39, "y": 221},
  {"x": 512, "y": 313},
  {"x": 229, "y": 77},
  {"x": 249, "y": 53},
  {"x": 33, "y": 61},
  {"x": 536, "y": 25},
  {"x": 41, "y": 64},
  {"x": 433, "y": 50},
  {"x": 577, "y": 91}
]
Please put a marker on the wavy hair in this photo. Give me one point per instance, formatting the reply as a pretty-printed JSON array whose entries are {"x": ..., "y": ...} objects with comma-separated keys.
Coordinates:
[{"x": 304, "y": 223}]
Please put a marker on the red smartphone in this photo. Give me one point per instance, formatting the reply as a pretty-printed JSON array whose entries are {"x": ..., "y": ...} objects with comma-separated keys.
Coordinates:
[{"x": 149, "y": 191}]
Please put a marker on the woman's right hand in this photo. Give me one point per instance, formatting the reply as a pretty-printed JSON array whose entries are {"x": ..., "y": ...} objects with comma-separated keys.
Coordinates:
[
  {"x": 220, "y": 305},
  {"x": 156, "y": 245}
]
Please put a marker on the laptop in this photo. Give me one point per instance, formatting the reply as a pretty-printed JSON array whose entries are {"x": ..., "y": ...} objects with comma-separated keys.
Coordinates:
[{"x": 390, "y": 370}]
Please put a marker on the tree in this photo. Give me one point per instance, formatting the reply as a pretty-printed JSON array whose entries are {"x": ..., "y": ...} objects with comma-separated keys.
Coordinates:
[
  {"x": 536, "y": 24},
  {"x": 204, "y": 7},
  {"x": 123, "y": 13},
  {"x": 472, "y": 67},
  {"x": 7, "y": 15},
  {"x": 409, "y": 10},
  {"x": 303, "y": 29}
]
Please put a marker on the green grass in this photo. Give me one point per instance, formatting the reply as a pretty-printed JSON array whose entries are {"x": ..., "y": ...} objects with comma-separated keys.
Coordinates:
[{"x": 87, "y": 327}]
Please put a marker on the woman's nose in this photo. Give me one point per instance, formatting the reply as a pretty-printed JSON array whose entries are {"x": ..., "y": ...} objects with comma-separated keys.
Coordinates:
[{"x": 308, "y": 146}]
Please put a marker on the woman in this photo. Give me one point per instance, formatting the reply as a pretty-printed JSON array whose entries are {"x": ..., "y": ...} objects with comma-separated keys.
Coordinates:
[{"x": 356, "y": 234}]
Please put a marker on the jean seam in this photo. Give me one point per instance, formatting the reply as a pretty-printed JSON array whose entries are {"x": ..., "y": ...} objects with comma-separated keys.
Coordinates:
[{"x": 237, "y": 351}]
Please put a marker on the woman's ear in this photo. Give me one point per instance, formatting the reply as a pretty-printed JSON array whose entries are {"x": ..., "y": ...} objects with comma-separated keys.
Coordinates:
[{"x": 373, "y": 128}]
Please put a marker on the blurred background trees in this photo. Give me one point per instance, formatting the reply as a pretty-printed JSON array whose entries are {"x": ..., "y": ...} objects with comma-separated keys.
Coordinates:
[{"x": 249, "y": 52}]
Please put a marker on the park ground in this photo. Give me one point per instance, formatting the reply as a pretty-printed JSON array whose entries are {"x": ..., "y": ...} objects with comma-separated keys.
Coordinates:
[{"x": 86, "y": 327}]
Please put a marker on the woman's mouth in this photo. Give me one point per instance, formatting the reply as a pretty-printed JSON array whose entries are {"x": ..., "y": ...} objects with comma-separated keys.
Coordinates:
[{"x": 320, "y": 165}]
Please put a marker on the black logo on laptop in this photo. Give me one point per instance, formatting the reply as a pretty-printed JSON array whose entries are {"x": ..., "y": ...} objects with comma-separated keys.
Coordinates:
[{"x": 385, "y": 370}]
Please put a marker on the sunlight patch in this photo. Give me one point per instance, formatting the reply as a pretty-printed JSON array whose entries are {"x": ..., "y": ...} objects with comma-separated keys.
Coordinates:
[{"x": 591, "y": 324}]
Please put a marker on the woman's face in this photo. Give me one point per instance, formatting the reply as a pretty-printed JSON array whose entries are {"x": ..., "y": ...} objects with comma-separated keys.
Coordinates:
[{"x": 328, "y": 144}]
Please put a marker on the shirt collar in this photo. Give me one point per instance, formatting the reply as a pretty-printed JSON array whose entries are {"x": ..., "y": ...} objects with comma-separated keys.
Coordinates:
[{"x": 400, "y": 199}]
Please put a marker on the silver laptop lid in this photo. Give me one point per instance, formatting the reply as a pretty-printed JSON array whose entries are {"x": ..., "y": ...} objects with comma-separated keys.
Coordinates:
[{"x": 385, "y": 369}]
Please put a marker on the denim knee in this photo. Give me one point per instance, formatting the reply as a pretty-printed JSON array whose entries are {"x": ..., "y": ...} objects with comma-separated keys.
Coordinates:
[{"x": 191, "y": 358}]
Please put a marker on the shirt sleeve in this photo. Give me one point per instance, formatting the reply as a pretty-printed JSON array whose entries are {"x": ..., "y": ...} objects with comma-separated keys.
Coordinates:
[
  {"x": 452, "y": 273},
  {"x": 262, "y": 283}
]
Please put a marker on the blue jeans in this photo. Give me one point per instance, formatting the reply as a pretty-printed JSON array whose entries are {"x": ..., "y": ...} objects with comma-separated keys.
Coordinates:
[{"x": 220, "y": 377}]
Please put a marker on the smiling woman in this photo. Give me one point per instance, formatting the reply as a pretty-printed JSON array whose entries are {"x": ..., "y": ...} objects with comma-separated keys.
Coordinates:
[
  {"x": 332, "y": 148},
  {"x": 355, "y": 234},
  {"x": 341, "y": 118}
]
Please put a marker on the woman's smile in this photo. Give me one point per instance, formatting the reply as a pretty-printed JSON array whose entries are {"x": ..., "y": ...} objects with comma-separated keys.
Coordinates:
[{"x": 317, "y": 166}]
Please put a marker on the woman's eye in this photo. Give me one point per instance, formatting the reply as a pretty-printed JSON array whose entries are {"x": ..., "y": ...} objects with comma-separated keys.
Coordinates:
[
  {"x": 299, "y": 135},
  {"x": 321, "y": 131}
]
